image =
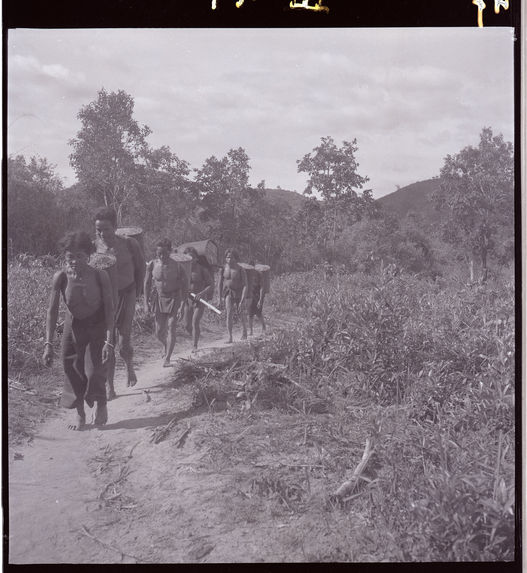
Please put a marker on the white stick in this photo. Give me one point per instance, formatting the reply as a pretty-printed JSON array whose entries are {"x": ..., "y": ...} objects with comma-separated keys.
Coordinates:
[{"x": 207, "y": 304}]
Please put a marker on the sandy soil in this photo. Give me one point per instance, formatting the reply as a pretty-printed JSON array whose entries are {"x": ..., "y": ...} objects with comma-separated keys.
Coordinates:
[{"x": 212, "y": 491}]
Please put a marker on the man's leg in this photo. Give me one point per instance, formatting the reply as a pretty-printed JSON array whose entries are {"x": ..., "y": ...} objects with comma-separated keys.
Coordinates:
[
  {"x": 110, "y": 374},
  {"x": 243, "y": 317},
  {"x": 95, "y": 373},
  {"x": 160, "y": 325},
  {"x": 171, "y": 340},
  {"x": 188, "y": 313},
  {"x": 229, "y": 311},
  {"x": 196, "y": 318},
  {"x": 125, "y": 337},
  {"x": 74, "y": 381},
  {"x": 261, "y": 318}
]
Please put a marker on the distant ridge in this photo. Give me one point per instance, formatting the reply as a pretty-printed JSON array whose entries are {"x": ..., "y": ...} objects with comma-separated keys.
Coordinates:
[
  {"x": 292, "y": 198},
  {"x": 415, "y": 198}
]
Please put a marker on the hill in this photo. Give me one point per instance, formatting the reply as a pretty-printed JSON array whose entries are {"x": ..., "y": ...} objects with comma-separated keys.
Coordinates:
[
  {"x": 280, "y": 196},
  {"x": 416, "y": 198}
]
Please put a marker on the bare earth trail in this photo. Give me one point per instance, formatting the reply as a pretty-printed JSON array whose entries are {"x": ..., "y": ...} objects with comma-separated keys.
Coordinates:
[{"x": 112, "y": 495}]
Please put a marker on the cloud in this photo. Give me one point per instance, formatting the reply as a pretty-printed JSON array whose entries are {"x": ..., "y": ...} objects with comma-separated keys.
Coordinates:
[
  {"x": 409, "y": 96},
  {"x": 56, "y": 71}
]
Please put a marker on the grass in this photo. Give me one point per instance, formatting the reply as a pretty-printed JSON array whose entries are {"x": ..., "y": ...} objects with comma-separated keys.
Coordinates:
[
  {"x": 33, "y": 390},
  {"x": 424, "y": 369}
]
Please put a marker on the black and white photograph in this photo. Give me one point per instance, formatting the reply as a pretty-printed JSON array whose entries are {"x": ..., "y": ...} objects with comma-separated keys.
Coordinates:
[{"x": 261, "y": 294}]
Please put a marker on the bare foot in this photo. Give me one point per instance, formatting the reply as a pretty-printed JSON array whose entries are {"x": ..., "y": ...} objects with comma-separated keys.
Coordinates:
[
  {"x": 78, "y": 422},
  {"x": 166, "y": 364},
  {"x": 229, "y": 341},
  {"x": 132, "y": 380},
  {"x": 101, "y": 415},
  {"x": 111, "y": 394},
  {"x": 244, "y": 336}
]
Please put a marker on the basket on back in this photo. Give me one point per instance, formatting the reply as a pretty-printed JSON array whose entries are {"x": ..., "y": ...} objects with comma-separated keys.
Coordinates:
[
  {"x": 108, "y": 263},
  {"x": 134, "y": 232},
  {"x": 265, "y": 277},
  {"x": 185, "y": 264},
  {"x": 251, "y": 278},
  {"x": 206, "y": 248}
]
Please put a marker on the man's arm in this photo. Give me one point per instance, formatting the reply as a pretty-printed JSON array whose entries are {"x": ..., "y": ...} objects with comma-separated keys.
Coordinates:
[
  {"x": 52, "y": 315},
  {"x": 147, "y": 284},
  {"x": 244, "y": 281},
  {"x": 220, "y": 286},
  {"x": 107, "y": 299},
  {"x": 139, "y": 264},
  {"x": 209, "y": 283},
  {"x": 183, "y": 282}
]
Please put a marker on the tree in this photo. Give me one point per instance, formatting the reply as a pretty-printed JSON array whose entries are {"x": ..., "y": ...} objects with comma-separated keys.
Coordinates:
[
  {"x": 477, "y": 186},
  {"x": 164, "y": 196},
  {"x": 333, "y": 174},
  {"x": 109, "y": 148},
  {"x": 75, "y": 202},
  {"x": 230, "y": 203},
  {"x": 32, "y": 208}
]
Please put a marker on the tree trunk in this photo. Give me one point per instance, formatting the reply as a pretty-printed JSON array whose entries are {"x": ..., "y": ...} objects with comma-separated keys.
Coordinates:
[{"x": 471, "y": 269}]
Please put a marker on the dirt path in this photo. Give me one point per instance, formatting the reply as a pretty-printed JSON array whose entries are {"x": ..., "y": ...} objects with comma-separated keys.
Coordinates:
[
  {"x": 110, "y": 495},
  {"x": 225, "y": 485},
  {"x": 55, "y": 483}
]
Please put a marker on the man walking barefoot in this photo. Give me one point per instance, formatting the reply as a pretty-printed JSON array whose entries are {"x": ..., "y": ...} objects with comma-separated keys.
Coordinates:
[
  {"x": 202, "y": 285},
  {"x": 170, "y": 293},
  {"x": 257, "y": 300},
  {"x": 130, "y": 270},
  {"x": 233, "y": 290},
  {"x": 87, "y": 340}
]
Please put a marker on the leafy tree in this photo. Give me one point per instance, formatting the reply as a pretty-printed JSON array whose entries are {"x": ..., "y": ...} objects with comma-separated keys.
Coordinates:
[
  {"x": 109, "y": 148},
  {"x": 477, "y": 186},
  {"x": 33, "y": 211},
  {"x": 75, "y": 203},
  {"x": 164, "y": 197},
  {"x": 230, "y": 203},
  {"x": 333, "y": 174},
  {"x": 271, "y": 233}
]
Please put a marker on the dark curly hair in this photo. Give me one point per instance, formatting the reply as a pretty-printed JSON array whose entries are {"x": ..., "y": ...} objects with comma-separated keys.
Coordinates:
[
  {"x": 106, "y": 214},
  {"x": 233, "y": 253},
  {"x": 191, "y": 251},
  {"x": 77, "y": 241},
  {"x": 165, "y": 244}
]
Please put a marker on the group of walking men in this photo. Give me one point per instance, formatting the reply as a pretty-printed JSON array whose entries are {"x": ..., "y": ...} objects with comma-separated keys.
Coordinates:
[{"x": 100, "y": 311}]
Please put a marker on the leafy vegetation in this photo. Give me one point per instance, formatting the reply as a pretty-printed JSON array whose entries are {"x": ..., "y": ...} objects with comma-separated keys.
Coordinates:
[{"x": 433, "y": 368}]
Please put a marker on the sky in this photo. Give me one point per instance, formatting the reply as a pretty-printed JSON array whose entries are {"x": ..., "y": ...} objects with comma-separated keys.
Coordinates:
[{"x": 409, "y": 96}]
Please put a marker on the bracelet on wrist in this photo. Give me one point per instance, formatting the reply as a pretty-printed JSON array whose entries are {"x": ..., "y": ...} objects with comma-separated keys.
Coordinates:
[
  {"x": 48, "y": 343},
  {"x": 109, "y": 344}
]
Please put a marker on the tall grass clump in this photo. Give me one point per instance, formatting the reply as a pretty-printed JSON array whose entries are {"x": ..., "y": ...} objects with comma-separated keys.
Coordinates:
[
  {"x": 436, "y": 365},
  {"x": 28, "y": 288}
]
